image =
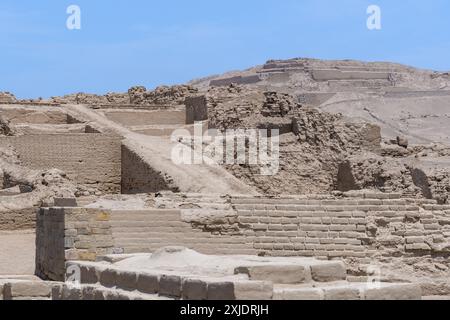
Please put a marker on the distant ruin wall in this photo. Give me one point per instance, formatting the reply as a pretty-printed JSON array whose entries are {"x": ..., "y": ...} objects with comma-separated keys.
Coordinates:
[
  {"x": 132, "y": 118},
  {"x": 331, "y": 74},
  {"x": 89, "y": 159},
  {"x": 236, "y": 80}
]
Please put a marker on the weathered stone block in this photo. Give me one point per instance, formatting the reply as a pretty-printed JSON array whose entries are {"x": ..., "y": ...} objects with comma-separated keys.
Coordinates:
[
  {"x": 342, "y": 294},
  {"x": 299, "y": 294},
  {"x": 65, "y": 202},
  {"x": 394, "y": 292},
  {"x": 71, "y": 293},
  {"x": 325, "y": 272},
  {"x": 253, "y": 290},
  {"x": 108, "y": 278},
  {"x": 287, "y": 274},
  {"x": 170, "y": 286},
  {"x": 26, "y": 289},
  {"x": 221, "y": 291},
  {"x": 126, "y": 280},
  {"x": 194, "y": 289},
  {"x": 89, "y": 274}
]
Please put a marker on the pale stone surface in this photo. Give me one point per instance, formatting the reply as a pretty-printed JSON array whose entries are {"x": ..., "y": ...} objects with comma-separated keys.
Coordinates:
[
  {"x": 17, "y": 252},
  {"x": 328, "y": 272},
  {"x": 14, "y": 290},
  {"x": 277, "y": 273}
]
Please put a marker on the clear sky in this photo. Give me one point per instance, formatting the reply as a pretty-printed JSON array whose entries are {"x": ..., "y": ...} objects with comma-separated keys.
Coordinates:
[{"x": 149, "y": 42}]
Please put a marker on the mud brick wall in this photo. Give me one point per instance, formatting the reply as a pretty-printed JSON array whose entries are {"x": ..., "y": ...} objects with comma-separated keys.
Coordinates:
[
  {"x": 339, "y": 228},
  {"x": 18, "y": 219},
  {"x": 364, "y": 229},
  {"x": 138, "y": 176},
  {"x": 147, "y": 117},
  {"x": 90, "y": 159},
  {"x": 64, "y": 234}
]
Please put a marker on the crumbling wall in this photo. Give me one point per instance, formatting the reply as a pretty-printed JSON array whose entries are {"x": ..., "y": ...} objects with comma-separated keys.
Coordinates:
[
  {"x": 93, "y": 160},
  {"x": 406, "y": 175},
  {"x": 6, "y": 97},
  {"x": 31, "y": 116},
  {"x": 252, "y": 79},
  {"x": 310, "y": 156},
  {"x": 24, "y": 190},
  {"x": 5, "y": 127},
  {"x": 163, "y": 95}
]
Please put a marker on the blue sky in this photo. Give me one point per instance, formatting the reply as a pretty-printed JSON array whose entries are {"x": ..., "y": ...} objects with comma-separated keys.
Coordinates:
[{"x": 150, "y": 43}]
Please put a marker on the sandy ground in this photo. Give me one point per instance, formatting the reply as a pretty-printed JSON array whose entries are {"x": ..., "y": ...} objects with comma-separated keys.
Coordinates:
[{"x": 17, "y": 252}]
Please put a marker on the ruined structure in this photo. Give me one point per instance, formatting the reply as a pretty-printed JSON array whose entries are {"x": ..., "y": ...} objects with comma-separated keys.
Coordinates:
[{"x": 360, "y": 190}]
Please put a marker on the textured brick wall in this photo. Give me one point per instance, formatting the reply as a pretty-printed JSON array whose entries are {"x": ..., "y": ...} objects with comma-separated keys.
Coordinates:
[
  {"x": 142, "y": 118},
  {"x": 344, "y": 228},
  {"x": 64, "y": 234},
  {"x": 18, "y": 219},
  {"x": 359, "y": 228},
  {"x": 138, "y": 176},
  {"x": 91, "y": 159}
]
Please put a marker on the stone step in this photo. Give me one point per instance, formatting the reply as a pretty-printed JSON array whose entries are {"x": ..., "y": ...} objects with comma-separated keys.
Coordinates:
[
  {"x": 153, "y": 239},
  {"x": 145, "y": 216},
  {"x": 323, "y": 202},
  {"x": 349, "y": 291},
  {"x": 298, "y": 273},
  {"x": 99, "y": 293},
  {"x": 205, "y": 249},
  {"x": 256, "y": 278},
  {"x": 147, "y": 224},
  {"x": 143, "y": 219},
  {"x": 25, "y": 290},
  {"x": 307, "y": 280},
  {"x": 328, "y": 207},
  {"x": 150, "y": 230}
]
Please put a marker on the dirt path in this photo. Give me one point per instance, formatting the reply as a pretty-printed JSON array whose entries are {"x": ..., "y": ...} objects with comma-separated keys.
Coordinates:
[{"x": 17, "y": 252}]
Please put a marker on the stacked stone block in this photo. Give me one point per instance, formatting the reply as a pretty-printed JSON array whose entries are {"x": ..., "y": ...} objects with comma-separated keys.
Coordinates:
[{"x": 70, "y": 234}]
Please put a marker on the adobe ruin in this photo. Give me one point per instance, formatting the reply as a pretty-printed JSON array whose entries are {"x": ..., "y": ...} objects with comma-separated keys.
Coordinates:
[{"x": 361, "y": 191}]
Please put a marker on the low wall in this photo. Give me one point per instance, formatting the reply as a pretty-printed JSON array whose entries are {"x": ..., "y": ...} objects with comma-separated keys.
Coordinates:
[
  {"x": 18, "y": 219},
  {"x": 89, "y": 159},
  {"x": 237, "y": 80},
  {"x": 331, "y": 74},
  {"x": 146, "y": 117},
  {"x": 360, "y": 228},
  {"x": 64, "y": 234},
  {"x": 357, "y": 228}
]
